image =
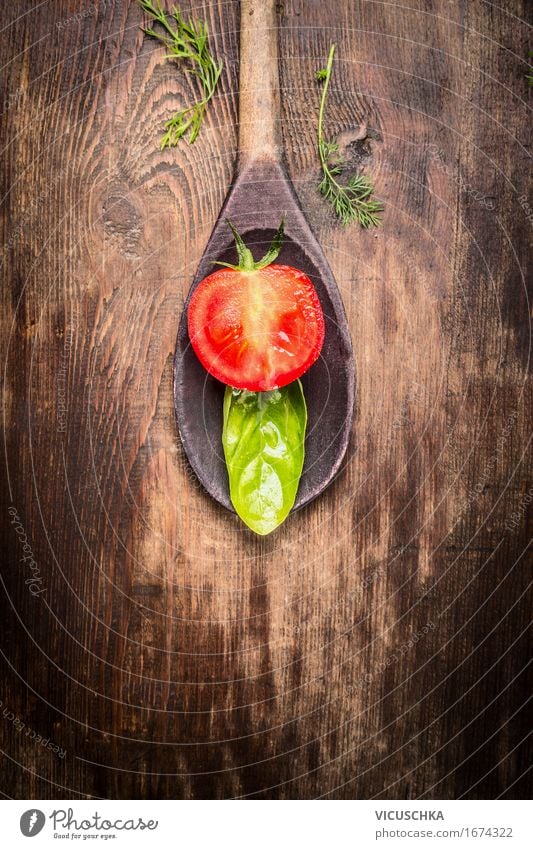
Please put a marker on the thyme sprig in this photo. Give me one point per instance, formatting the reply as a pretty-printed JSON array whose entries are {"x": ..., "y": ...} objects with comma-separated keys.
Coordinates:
[
  {"x": 187, "y": 41},
  {"x": 351, "y": 201}
]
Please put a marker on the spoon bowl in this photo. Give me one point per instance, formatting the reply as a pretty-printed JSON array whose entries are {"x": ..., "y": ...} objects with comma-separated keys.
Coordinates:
[{"x": 260, "y": 195}]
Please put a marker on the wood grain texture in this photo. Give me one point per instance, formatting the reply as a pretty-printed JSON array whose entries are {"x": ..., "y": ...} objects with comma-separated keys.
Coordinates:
[{"x": 376, "y": 645}]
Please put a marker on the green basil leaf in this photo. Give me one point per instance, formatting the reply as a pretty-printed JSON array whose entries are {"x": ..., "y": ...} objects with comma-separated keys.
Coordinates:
[{"x": 263, "y": 438}]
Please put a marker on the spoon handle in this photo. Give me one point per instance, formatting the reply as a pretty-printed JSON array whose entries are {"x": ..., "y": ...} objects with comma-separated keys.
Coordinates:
[{"x": 259, "y": 98}]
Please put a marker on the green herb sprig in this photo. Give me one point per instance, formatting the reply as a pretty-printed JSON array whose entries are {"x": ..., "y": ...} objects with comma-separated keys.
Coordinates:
[
  {"x": 187, "y": 41},
  {"x": 351, "y": 201}
]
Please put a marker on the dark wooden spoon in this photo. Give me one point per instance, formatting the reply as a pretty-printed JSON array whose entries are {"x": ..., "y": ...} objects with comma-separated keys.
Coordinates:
[{"x": 260, "y": 195}]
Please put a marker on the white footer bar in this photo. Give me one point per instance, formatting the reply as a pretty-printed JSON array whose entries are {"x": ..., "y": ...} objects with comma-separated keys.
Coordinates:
[{"x": 267, "y": 824}]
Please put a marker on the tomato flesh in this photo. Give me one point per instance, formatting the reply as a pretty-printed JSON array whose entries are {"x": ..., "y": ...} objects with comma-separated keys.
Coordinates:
[{"x": 256, "y": 330}]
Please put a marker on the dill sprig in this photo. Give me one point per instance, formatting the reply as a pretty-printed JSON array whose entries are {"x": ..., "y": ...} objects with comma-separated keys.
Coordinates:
[
  {"x": 187, "y": 41},
  {"x": 351, "y": 201}
]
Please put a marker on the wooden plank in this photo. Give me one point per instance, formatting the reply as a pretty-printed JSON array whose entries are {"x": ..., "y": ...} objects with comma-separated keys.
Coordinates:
[{"x": 374, "y": 646}]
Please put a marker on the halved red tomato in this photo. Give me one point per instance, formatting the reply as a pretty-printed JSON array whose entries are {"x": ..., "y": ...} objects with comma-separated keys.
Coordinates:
[{"x": 256, "y": 326}]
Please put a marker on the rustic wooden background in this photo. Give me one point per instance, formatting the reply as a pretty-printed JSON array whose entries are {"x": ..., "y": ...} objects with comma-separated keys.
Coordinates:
[{"x": 376, "y": 645}]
